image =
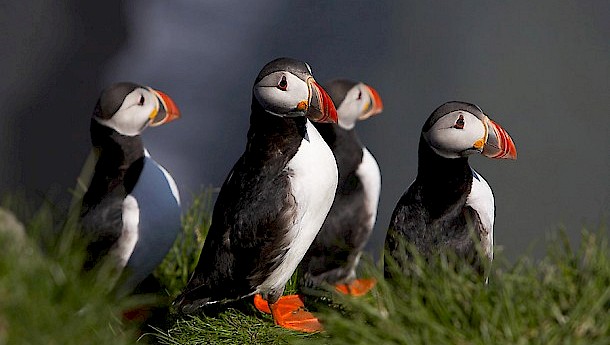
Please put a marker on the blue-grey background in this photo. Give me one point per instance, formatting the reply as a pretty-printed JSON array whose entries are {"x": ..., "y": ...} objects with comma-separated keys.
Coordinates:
[{"x": 539, "y": 68}]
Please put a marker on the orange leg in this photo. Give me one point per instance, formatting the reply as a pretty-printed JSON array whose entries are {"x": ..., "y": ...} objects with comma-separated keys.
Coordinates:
[{"x": 358, "y": 287}]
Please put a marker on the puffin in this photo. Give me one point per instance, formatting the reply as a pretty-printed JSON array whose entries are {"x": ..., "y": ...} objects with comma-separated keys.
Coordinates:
[
  {"x": 449, "y": 208},
  {"x": 334, "y": 255},
  {"x": 273, "y": 202},
  {"x": 130, "y": 212}
]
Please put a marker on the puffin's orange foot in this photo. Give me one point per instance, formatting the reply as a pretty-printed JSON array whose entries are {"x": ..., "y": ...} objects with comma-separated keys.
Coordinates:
[
  {"x": 287, "y": 305},
  {"x": 289, "y": 312},
  {"x": 261, "y": 304},
  {"x": 357, "y": 288}
]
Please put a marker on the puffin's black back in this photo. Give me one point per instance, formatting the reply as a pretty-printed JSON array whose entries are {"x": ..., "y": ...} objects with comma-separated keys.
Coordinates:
[
  {"x": 432, "y": 215},
  {"x": 252, "y": 213}
]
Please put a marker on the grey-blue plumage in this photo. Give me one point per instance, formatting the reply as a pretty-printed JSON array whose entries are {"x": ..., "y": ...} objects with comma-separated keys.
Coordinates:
[{"x": 159, "y": 225}]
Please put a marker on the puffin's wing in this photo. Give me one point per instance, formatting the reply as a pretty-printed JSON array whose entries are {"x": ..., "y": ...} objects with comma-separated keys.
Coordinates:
[
  {"x": 244, "y": 240},
  {"x": 481, "y": 199},
  {"x": 257, "y": 213},
  {"x": 370, "y": 175},
  {"x": 156, "y": 200},
  {"x": 406, "y": 223}
]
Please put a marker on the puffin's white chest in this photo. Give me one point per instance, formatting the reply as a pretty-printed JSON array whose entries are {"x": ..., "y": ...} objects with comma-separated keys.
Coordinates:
[
  {"x": 481, "y": 199},
  {"x": 129, "y": 234},
  {"x": 370, "y": 175},
  {"x": 313, "y": 183}
]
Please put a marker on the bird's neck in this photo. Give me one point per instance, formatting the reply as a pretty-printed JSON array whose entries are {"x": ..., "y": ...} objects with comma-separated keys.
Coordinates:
[
  {"x": 345, "y": 144},
  {"x": 117, "y": 152},
  {"x": 119, "y": 162},
  {"x": 444, "y": 180},
  {"x": 335, "y": 136},
  {"x": 274, "y": 138}
]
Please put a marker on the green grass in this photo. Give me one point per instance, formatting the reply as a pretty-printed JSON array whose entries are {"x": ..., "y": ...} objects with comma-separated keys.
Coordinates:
[
  {"x": 174, "y": 272},
  {"x": 562, "y": 299},
  {"x": 233, "y": 326},
  {"x": 44, "y": 298},
  {"x": 229, "y": 327}
]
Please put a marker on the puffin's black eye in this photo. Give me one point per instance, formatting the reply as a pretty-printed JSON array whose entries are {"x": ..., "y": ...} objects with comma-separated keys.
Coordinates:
[
  {"x": 359, "y": 94},
  {"x": 459, "y": 124},
  {"x": 141, "y": 102},
  {"x": 283, "y": 84}
]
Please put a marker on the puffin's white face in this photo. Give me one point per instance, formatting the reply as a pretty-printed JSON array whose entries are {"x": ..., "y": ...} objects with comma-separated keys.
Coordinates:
[
  {"x": 360, "y": 102},
  {"x": 138, "y": 109},
  {"x": 283, "y": 93},
  {"x": 285, "y": 87},
  {"x": 457, "y": 134}
]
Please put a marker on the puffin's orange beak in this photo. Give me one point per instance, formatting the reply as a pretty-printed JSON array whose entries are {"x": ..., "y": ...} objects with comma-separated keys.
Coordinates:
[
  {"x": 321, "y": 107},
  {"x": 498, "y": 144},
  {"x": 168, "y": 110},
  {"x": 376, "y": 105}
]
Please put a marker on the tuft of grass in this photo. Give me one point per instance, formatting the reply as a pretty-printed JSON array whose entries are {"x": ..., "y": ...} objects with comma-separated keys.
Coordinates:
[
  {"x": 229, "y": 327},
  {"x": 245, "y": 325},
  {"x": 44, "y": 296},
  {"x": 564, "y": 299}
]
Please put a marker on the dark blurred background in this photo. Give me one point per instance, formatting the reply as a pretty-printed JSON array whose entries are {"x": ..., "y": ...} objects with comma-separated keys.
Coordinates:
[{"x": 541, "y": 69}]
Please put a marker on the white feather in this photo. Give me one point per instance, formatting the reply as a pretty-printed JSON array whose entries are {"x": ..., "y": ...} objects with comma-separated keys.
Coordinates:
[
  {"x": 129, "y": 236},
  {"x": 313, "y": 184},
  {"x": 370, "y": 175},
  {"x": 481, "y": 199}
]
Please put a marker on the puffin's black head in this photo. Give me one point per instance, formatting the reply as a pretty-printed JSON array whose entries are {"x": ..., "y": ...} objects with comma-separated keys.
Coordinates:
[
  {"x": 458, "y": 129},
  {"x": 128, "y": 108},
  {"x": 354, "y": 101},
  {"x": 286, "y": 88}
]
